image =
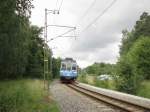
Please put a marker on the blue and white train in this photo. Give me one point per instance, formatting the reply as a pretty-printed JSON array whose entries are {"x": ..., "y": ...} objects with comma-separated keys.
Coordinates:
[{"x": 68, "y": 70}]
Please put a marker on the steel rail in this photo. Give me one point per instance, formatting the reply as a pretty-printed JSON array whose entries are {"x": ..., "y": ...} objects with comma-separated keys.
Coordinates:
[{"x": 124, "y": 105}]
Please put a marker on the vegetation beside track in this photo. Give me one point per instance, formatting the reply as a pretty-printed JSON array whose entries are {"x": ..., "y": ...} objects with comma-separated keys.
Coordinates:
[
  {"x": 142, "y": 91},
  {"x": 131, "y": 73},
  {"x": 27, "y": 95},
  {"x": 21, "y": 56},
  {"x": 108, "y": 84}
]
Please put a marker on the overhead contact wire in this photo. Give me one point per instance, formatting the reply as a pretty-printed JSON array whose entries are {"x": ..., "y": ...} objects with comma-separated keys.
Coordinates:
[
  {"x": 60, "y": 5},
  {"x": 100, "y": 15},
  {"x": 86, "y": 12}
]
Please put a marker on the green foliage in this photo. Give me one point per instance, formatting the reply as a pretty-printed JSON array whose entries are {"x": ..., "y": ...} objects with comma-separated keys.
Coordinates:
[
  {"x": 134, "y": 66},
  {"x": 100, "y": 68},
  {"x": 14, "y": 38},
  {"x": 134, "y": 63},
  {"x": 25, "y": 96},
  {"x": 101, "y": 83},
  {"x": 21, "y": 45},
  {"x": 56, "y": 67},
  {"x": 126, "y": 42},
  {"x": 82, "y": 78},
  {"x": 108, "y": 84},
  {"x": 142, "y": 28},
  {"x": 126, "y": 77},
  {"x": 144, "y": 89},
  {"x": 93, "y": 80},
  {"x": 35, "y": 59},
  {"x": 139, "y": 56},
  {"x": 23, "y": 7}
]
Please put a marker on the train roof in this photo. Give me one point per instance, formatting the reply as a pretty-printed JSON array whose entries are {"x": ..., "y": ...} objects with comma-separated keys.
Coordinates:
[{"x": 68, "y": 59}]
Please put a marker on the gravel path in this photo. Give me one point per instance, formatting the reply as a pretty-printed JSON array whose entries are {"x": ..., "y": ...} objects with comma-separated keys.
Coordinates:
[{"x": 72, "y": 101}]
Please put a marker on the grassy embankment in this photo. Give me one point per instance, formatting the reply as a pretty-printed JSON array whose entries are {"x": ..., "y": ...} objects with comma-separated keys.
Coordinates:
[
  {"x": 25, "y": 96},
  {"x": 92, "y": 80},
  {"x": 143, "y": 91}
]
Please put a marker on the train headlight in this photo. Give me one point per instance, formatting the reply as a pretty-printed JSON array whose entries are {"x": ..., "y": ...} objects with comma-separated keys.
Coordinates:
[{"x": 74, "y": 73}]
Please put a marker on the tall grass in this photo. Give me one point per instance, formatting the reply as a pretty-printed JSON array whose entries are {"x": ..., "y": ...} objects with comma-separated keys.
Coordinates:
[
  {"x": 82, "y": 78},
  {"x": 144, "y": 89},
  {"x": 108, "y": 84},
  {"x": 25, "y": 96}
]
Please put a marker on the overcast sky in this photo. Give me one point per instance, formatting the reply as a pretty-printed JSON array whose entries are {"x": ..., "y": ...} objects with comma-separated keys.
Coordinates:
[{"x": 100, "y": 42}]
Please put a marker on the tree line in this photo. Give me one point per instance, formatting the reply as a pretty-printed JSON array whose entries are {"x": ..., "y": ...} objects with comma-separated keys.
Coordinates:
[
  {"x": 100, "y": 68},
  {"x": 133, "y": 65},
  {"x": 21, "y": 45}
]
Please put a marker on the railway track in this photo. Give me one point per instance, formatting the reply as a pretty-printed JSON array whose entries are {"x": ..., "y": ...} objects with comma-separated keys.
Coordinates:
[{"x": 124, "y": 105}]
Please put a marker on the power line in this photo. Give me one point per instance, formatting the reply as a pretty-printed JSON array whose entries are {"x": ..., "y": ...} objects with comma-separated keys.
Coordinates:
[
  {"x": 100, "y": 15},
  {"x": 56, "y": 3},
  {"x": 61, "y": 35},
  {"x": 62, "y": 26},
  {"x": 60, "y": 5},
  {"x": 86, "y": 12}
]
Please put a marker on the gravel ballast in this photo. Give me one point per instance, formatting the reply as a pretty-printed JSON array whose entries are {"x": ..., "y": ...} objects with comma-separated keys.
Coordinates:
[{"x": 70, "y": 100}]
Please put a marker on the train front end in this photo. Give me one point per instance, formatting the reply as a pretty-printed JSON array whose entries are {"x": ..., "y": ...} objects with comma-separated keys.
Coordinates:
[{"x": 68, "y": 70}]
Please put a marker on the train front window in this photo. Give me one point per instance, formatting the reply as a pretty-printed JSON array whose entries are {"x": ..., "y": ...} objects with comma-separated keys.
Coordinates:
[
  {"x": 63, "y": 67},
  {"x": 69, "y": 66},
  {"x": 73, "y": 67}
]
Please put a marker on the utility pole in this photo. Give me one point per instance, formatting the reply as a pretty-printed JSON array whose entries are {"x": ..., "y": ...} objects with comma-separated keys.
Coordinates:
[
  {"x": 46, "y": 70},
  {"x": 51, "y": 60},
  {"x": 46, "y": 67},
  {"x": 45, "y": 49}
]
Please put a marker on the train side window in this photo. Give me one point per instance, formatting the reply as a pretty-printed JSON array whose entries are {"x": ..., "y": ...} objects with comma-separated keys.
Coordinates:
[{"x": 63, "y": 67}]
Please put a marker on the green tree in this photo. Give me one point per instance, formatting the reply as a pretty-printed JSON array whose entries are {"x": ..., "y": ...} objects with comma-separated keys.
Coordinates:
[
  {"x": 13, "y": 37},
  {"x": 139, "y": 56},
  {"x": 133, "y": 65},
  {"x": 100, "y": 68},
  {"x": 21, "y": 48},
  {"x": 126, "y": 76},
  {"x": 141, "y": 28},
  {"x": 56, "y": 67},
  {"x": 34, "y": 67}
]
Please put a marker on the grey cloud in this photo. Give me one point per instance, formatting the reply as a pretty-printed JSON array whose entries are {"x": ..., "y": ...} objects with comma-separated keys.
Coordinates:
[
  {"x": 95, "y": 43},
  {"x": 100, "y": 42}
]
